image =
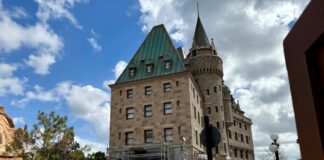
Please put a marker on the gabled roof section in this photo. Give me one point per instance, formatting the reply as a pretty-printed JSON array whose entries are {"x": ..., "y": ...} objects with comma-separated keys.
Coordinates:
[
  {"x": 156, "y": 49},
  {"x": 200, "y": 37}
]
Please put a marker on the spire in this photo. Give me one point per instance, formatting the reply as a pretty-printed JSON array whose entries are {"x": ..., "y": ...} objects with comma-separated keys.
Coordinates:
[
  {"x": 200, "y": 37},
  {"x": 213, "y": 44}
]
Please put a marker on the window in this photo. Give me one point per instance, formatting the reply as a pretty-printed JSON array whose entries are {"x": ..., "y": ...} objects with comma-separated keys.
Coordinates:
[
  {"x": 167, "y": 65},
  {"x": 148, "y": 136},
  {"x": 207, "y": 91},
  {"x": 209, "y": 110},
  {"x": 168, "y": 134},
  {"x": 167, "y": 108},
  {"x": 196, "y": 133},
  {"x": 217, "y": 124},
  {"x": 216, "y": 149},
  {"x": 179, "y": 130},
  {"x": 215, "y": 89},
  {"x": 130, "y": 113},
  {"x": 119, "y": 135},
  {"x": 235, "y": 135},
  {"x": 167, "y": 87},
  {"x": 240, "y": 124},
  {"x": 120, "y": 110},
  {"x": 246, "y": 154},
  {"x": 147, "y": 110},
  {"x": 132, "y": 72},
  {"x": 129, "y": 93},
  {"x": 235, "y": 152},
  {"x": 177, "y": 83},
  {"x": 247, "y": 139},
  {"x": 198, "y": 118},
  {"x": 242, "y": 139},
  {"x": 195, "y": 115},
  {"x": 234, "y": 122},
  {"x": 149, "y": 68},
  {"x": 245, "y": 127},
  {"x": 148, "y": 90},
  {"x": 216, "y": 108},
  {"x": 194, "y": 53},
  {"x": 120, "y": 92},
  {"x": 225, "y": 148},
  {"x": 129, "y": 138},
  {"x": 197, "y": 99},
  {"x": 178, "y": 102},
  {"x": 241, "y": 152},
  {"x": 229, "y": 134}
]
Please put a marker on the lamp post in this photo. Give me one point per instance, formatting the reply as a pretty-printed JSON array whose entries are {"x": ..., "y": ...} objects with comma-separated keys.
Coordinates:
[{"x": 274, "y": 146}]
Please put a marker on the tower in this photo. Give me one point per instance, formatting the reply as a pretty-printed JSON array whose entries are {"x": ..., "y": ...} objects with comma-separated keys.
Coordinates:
[{"x": 207, "y": 69}]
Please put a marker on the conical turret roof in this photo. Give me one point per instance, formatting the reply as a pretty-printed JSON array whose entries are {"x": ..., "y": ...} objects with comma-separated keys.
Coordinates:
[{"x": 200, "y": 37}]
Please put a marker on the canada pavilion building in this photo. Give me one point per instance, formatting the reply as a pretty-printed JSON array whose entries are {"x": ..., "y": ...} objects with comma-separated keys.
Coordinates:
[{"x": 159, "y": 101}]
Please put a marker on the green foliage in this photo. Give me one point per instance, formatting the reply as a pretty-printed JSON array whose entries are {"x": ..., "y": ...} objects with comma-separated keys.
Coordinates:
[
  {"x": 50, "y": 139},
  {"x": 22, "y": 140},
  {"x": 97, "y": 156}
]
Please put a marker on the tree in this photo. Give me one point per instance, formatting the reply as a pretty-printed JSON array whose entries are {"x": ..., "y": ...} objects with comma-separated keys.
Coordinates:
[
  {"x": 22, "y": 143},
  {"x": 52, "y": 136},
  {"x": 50, "y": 139},
  {"x": 97, "y": 156}
]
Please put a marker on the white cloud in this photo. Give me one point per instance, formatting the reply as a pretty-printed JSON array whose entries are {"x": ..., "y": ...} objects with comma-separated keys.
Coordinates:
[
  {"x": 119, "y": 68},
  {"x": 53, "y": 9},
  {"x": 8, "y": 83},
  {"x": 19, "y": 121},
  {"x": 40, "y": 37},
  {"x": 38, "y": 94},
  {"x": 85, "y": 102},
  {"x": 88, "y": 103},
  {"x": 248, "y": 37},
  {"x": 95, "y": 147},
  {"x": 94, "y": 44},
  {"x": 93, "y": 41},
  {"x": 41, "y": 63}
]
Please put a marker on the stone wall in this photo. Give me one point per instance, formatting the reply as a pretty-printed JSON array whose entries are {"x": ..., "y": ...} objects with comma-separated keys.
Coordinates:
[{"x": 182, "y": 120}]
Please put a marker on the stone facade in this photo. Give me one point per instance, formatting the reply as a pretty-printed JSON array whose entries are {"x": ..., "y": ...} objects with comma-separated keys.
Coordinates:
[
  {"x": 7, "y": 131},
  {"x": 185, "y": 118},
  {"x": 161, "y": 116}
]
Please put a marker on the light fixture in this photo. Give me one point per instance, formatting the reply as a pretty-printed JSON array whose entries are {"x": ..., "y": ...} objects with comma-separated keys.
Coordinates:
[{"x": 274, "y": 137}]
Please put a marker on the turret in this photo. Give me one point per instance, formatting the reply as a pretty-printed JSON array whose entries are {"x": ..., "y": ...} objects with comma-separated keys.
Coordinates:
[{"x": 207, "y": 69}]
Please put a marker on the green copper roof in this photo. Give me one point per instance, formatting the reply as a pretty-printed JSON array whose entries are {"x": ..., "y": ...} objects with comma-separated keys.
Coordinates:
[
  {"x": 156, "y": 50},
  {"x": 200, "y": 37}
]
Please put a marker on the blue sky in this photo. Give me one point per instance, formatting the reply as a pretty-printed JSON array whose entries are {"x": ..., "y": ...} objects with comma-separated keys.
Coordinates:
[
  {"x": 59, "y": 55},
  {"x": 112, "y": 24}
]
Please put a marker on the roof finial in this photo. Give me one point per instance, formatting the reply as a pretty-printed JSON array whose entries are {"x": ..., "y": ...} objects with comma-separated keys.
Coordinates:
[{"x": 198, "y": 8}]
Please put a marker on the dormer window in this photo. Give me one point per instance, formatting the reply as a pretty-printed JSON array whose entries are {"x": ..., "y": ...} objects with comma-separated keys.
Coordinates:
[
  {"x": 149, "y": 68},
  {"x": 132, "y": 72},
  {"x": 168, "y": 65}
]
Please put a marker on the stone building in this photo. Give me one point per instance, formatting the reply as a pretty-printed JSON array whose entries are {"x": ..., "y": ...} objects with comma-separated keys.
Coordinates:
[
  {"x": 7, "y": 131},
  {"x": 159, "y": 101}
]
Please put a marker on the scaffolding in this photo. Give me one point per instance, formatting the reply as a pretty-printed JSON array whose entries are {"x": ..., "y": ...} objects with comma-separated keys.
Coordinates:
[{"x": 154, "y": 151}]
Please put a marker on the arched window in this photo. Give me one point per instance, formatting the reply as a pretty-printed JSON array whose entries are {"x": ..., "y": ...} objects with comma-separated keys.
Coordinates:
[
  {"x": 209, "y": 110},
  {"x": 207, "y": 90},
  {"x": 215, "y": 89}
]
